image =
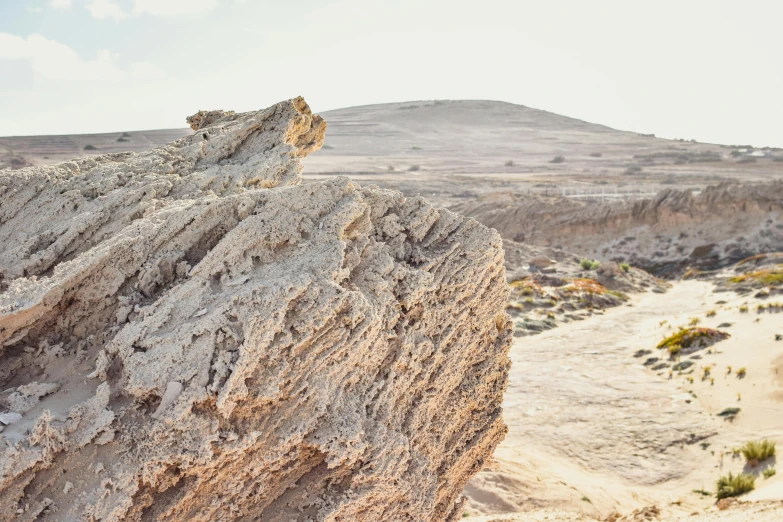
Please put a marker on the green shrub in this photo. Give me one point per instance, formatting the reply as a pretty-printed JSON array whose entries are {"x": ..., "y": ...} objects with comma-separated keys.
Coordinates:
[
  {"x": 769, "y": 472},
  {"x": 757, "y": 451},
  {"x": 734, "y": 485},
  {"x": 589, "y": 264},
  {"x": 625, "y": 267}
]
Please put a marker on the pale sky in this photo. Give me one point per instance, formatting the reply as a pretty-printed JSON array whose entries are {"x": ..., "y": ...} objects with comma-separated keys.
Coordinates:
[{"x": 710, "y": 70}]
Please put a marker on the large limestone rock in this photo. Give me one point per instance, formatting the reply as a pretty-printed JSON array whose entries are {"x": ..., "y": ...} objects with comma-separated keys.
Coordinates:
[{"x": 190, "y": 334}]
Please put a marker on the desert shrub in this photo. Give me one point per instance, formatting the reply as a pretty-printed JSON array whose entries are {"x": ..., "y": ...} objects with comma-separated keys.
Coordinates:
[
  {"x": 122, "y": 139},
  {"x": 711, "y": 313},
  {"x": 625, "y": 267},
  {"x": 415, "y": 148},
  {"x": 769, "y": 472},
  {"x": 595, "y": 154},
  {"x": 734, "y": 485},
  {"x": 509, "y": 163},
  {"x": 326, "y": 147},
  {"x": 743, "y": 309},
  {"x": 413, "y": 168},
  {"x": 757, "y": 451},
  {"x": 557, "y": 159},
  {"x": 747, "y": 159},
  {"x": 729, "y": 412},
  {"x": 688, "y": 337},
  {"x": 90, "y": 147},
  {"x": 589, "y": 264},
  {"x": 766, "y": 277},
  {"x": 390, "y": 168},
  {"x": 742, "y": 372}
]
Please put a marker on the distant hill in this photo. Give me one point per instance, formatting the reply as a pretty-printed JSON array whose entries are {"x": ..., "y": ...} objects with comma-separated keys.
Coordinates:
[
  {"x": 21, "y": 151},
  {"x": 442, "y": 147}
]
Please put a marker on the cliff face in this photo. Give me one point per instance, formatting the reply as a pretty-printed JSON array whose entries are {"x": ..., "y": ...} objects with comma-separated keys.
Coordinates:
[
  {"x": 666, "y": 234},
  {"x": 189, "y": 334}
]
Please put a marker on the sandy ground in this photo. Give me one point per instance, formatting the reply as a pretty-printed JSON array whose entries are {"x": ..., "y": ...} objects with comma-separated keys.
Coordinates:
[{"x": 593, "y": 431}]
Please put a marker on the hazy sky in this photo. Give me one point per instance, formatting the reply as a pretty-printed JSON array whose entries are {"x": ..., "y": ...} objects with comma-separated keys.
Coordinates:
[{"x": 710, "y": 70}]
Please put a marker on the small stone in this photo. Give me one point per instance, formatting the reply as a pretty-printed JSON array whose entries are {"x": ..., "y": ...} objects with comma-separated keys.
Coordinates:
[{"x": 10, "y": 417}]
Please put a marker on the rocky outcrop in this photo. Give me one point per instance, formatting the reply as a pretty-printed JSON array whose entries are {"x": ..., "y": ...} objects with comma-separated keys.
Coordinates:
[
  {"x": 667, "y": 234},
  {"x": 190, "y": 334}
]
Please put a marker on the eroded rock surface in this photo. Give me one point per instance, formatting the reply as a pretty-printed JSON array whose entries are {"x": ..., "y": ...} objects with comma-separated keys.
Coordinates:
[
  {"x": 666, "y": 235},
  {"x": 189, "y": 334}
]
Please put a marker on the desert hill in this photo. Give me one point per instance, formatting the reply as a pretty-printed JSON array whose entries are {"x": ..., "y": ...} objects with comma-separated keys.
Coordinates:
[{"x": 439, "y": 149}]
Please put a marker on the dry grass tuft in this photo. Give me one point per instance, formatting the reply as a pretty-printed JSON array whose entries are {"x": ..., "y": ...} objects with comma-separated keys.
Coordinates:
[
  {"x": 765, "y": 277},
  {"x": 734, "y": 485},
  {"x": 757, "y": 451}
]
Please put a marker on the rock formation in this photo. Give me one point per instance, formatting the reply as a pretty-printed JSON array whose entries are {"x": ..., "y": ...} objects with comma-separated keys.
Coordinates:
[
  {"x": 667, "y": 234},
  {"x": 191, "y": 334}
]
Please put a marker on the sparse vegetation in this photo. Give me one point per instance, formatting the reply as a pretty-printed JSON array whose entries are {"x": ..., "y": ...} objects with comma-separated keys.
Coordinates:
[
  {"x": 509, "y": 163},
  {"x": 765, "y": 277},
  {"x": 769, "y": 472},
  {"x": 743, "y": 309},
  {"x": 415, "y": 148},
  {"x": 691, "y": 337},
  {"x": 694, "y": 321},
  {"x": 757, "y": 451},
  {"x": 742, "y": 372},
  {"x": 625, "y": 267},
  {"x": 711, "y": 313},
  {"x": 729, "y": 412},
  {"x": 589, "y": 264},
  {"x": 557, "y": 159},
  {"x": 734, "y": 485},
  {"x": 90, "y": 147},
  {"x": 413, "y": 168},
  {"x": 595, "y": 154}
]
